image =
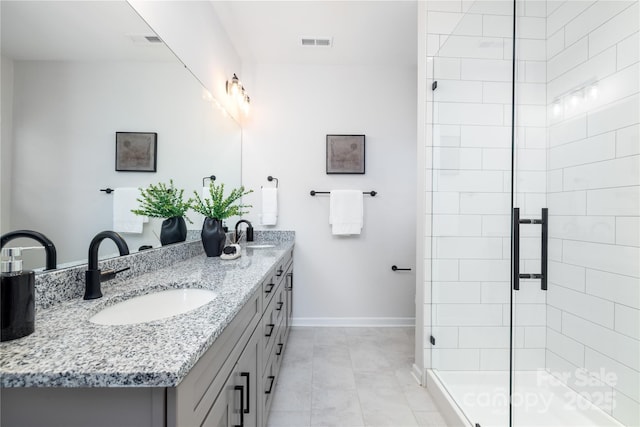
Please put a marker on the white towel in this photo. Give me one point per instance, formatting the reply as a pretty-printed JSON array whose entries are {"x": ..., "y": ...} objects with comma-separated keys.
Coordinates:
[
  {"x": 269, "y": 206},
  {"x": 125, "y": 221},
  {"x": 206, "y": 194},
  {"x": 346, "y": 212}
]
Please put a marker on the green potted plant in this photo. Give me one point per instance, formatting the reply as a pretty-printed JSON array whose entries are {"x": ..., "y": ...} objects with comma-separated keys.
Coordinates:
[
  {"x": 162, "y": 201},
  {"x": 215, "y": 209}
]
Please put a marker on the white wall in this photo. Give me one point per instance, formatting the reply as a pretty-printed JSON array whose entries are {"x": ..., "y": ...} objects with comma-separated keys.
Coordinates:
[
  {"x": 65, "y": 118},
  {"x": 344, "y": 280},
  {"x": 193, "y": 32},
  {"x": 594, "y": 202}
]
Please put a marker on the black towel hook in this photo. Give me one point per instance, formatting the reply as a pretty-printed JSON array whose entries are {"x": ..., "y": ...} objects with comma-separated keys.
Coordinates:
[{"x": 211, "y": 177}]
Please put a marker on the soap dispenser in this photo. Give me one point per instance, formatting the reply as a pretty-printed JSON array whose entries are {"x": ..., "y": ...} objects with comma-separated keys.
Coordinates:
[{"x": 17, "y": 298}]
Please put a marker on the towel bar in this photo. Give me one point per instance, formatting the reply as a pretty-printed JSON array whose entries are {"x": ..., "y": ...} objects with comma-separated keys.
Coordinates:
[{"x": 313, "y": 192}]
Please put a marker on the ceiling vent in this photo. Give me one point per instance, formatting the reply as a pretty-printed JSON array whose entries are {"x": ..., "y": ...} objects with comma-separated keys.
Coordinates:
[
  {"x": 316, "y": 41},
  {"x": 145, "y": 39},
  {"x": 153, "y": 39}
]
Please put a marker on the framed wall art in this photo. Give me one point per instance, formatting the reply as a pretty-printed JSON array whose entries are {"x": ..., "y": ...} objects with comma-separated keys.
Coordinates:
[
  {"x": 136, "y": 151},
  {"x": 345, "y": 154}
]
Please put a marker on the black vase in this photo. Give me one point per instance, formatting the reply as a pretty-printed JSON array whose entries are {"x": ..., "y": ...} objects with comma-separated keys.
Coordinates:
[
  {"x": 173, "y": 230},
  {"x": 213, "y": 236}
]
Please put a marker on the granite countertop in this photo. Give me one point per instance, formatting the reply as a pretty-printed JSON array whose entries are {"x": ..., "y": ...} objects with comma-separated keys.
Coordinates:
[{"x": 66, "y": 350}]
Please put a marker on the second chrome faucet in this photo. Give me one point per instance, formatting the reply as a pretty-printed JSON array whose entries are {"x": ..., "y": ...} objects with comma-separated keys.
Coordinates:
[{"x": 94, "y": 276}]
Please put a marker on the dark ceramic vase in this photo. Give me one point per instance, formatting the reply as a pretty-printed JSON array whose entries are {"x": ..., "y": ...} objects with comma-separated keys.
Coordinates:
[
  {"x": 213, "y": 236},
  {"x": 173, "y": 230}
]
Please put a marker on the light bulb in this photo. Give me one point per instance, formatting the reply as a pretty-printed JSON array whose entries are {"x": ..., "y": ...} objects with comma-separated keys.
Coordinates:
[
  {"x": 233, "y": 85},
  {"x": 556, "y": 109},
  {"x": 593, "y": 92},
  {"x": 245, "y": 104},
  {"x": 240, "y": 94},
  {"x": 574, "y": 100}
]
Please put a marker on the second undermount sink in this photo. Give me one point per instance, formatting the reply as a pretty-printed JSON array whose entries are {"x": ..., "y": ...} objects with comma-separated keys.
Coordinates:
[
  {"x": 258, "y": 246},
  {"x": 153, "y": 306}
]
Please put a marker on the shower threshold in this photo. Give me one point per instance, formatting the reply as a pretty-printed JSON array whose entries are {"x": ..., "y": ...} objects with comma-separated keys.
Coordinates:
[{"x": 539, "y": 399}]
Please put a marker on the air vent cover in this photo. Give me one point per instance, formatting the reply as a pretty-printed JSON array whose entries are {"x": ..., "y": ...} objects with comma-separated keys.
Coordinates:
[
  {"x": 145, "y": 39},
  {"x": 316, "y": 41}
]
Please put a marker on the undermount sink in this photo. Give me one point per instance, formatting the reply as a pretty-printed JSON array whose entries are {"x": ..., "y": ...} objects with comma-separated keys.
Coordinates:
[
  {"x": 264, "y": 246},
  {"x": 153, "y": 306}
]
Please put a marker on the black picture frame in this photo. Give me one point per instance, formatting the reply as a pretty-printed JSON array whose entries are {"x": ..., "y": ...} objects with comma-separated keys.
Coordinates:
[
  {"x": 136, "y": 151},
  {"x": 345, "y": 154}
]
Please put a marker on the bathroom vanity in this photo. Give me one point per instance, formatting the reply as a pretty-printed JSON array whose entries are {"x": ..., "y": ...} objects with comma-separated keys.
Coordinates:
[{"x": 216, "y": 365}]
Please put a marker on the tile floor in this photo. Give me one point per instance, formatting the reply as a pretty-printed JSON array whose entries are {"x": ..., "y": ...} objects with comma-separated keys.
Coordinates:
[{"x": 350, "y": 377}]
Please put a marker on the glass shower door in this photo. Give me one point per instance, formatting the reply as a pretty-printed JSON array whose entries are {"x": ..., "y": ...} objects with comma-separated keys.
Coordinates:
[
  {"x": 471, "y": 205},
  {"x": 576, "y": 289},
  {"x": 528, "y": 214}
]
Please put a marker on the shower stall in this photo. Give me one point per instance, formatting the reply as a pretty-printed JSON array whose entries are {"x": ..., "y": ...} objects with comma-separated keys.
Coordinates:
[{"x": 533, "y": 157}]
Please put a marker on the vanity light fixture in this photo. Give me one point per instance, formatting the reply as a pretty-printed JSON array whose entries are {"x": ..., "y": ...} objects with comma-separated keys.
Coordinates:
[
  {"x": 236, "y": 90},
  {"x": 576, "y": 100}
]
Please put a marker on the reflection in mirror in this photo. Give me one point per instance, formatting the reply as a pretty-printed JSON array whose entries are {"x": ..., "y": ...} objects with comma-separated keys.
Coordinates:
[{"x": 74, "y": 74}]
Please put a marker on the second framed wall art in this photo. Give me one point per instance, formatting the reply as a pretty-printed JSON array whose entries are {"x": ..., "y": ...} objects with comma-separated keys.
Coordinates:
[
  {"x": 136, "y": 151},
  {"x": 345, "y": 154}
]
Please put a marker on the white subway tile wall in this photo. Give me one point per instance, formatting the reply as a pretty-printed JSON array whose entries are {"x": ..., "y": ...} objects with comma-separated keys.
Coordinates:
[
  {"x": 578, "y": 153},
  {"x": 594, "y": 282}
]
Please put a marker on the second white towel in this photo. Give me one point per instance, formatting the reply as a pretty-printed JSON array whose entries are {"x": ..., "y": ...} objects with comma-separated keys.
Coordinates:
[
  {"x": 125, "y": 221},
  {"x": 346, "y": 212},
  {"x": 269, "y": 214}
]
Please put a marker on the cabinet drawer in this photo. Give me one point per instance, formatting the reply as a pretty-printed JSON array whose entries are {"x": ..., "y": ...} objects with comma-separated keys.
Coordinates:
[
  {"x": 280, "y": 301},
  {"x": 283, "y": 265},
  {"x": 269, "y": 329},
  {"x": 268, "y": 289},
  {"x": 268, "y": 387},
  {"x": 280, "y": 343}
]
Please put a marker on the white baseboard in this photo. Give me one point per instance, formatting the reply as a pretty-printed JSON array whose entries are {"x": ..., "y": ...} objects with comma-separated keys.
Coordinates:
[
  {"x": 354, "y": 321},
  {"x": 417, "y": 374}
]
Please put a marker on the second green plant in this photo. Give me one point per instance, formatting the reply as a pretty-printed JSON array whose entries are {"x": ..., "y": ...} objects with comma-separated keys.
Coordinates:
[
  {"x": 218, "y": 206},
  {"x": 162, "y": 201}
]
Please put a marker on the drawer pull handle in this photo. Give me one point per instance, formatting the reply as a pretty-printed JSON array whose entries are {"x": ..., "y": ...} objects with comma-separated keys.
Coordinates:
[
  {"x": 269, "y": 288},
  {"x": 248, "y": 384},
  {"x": 241, "y": 390},
  {"x": 272, "y": 379},
  {"x": 289, "y": 286},
  {"x": 279, "y": 272},
  {"x": 271, "y": 326},
  {"x": 279, "y": 352},
  {"x": 280, "y": 304}
]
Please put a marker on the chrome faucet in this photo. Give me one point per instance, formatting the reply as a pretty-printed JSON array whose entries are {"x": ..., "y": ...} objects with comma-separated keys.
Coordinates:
[
  {"x": 49, "y": 247},
  {"x": 249, "y": 230},
  {"x": 93, "y": 275}
]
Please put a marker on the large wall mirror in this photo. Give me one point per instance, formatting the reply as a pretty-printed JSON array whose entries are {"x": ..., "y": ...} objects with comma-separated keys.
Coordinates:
[{"x": 73, "y": 74}]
